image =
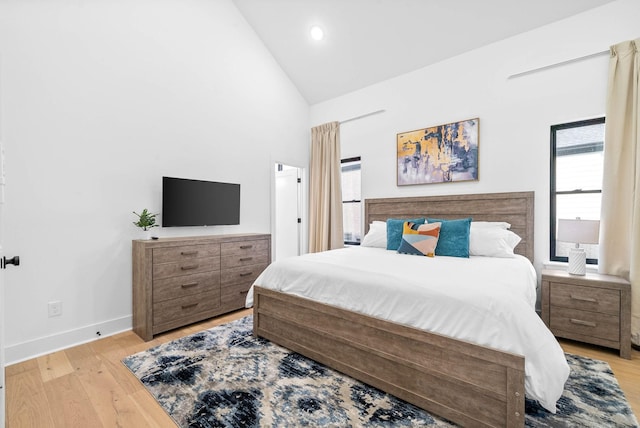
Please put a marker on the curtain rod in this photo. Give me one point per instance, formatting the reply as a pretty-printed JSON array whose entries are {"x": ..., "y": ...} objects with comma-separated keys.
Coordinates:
[
  {"x": 362, "y": 116},
  {"x": 557, "y": 64}
]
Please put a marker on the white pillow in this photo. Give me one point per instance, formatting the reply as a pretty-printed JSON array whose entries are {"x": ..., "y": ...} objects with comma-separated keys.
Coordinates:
[
  {"x": 492, "y": 242},
  {"x": 483, "y": 224},
  {"x": 376, "y": 236}
]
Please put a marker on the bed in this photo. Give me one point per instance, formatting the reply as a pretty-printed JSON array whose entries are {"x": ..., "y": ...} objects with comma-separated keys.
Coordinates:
[{"x": 467, "y": 383}]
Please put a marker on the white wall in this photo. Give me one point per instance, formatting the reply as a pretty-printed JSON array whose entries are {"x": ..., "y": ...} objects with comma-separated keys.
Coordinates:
[
  {"x": 515, "y": 114},
  {"x": 99, "y": 100}
]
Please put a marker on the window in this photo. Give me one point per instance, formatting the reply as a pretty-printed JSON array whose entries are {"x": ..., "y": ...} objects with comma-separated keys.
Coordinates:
[
  {"x": 576, "y": 179},
  {"x": 351, "y": 203}
]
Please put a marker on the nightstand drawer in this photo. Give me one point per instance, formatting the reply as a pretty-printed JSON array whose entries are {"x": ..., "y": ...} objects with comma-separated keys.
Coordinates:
[
  {"x": 585, "y": 323},
  {"x": 586, "y": 298}
]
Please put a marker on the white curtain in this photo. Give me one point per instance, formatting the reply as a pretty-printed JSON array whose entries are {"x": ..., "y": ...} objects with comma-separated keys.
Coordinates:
[
  {"x": 620, "y": 216},
  {"x": 325, "y": 190}
]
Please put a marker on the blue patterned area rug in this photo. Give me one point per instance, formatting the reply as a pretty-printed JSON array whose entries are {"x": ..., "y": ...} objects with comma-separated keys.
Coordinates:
[{"x": 224, "y": 377}]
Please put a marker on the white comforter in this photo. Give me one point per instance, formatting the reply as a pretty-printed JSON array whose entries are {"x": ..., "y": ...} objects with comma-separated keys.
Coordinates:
[{"x": 484, "y": 300}]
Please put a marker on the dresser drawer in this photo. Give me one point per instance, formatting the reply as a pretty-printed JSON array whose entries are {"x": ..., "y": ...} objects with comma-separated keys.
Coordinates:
[
  {"x": 585, "y": 323},
  {"x": 187, "y": 252},
  {"x": 586, "y": 298},
  {"x": 235, "y": 292},
  {"x": 244, "y": 248},
  {"x": 183, "y": 307},
  {"x": 180, "y": 286},
  {"x": 238, "y": 260},
  {"x": 241, "y": 275},
  {"x": 186, "y": 267}
]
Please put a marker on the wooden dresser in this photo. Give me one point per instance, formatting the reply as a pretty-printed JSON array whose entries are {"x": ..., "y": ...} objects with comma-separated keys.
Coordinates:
[
  {"x": 593, "y": 308},
  {"x": 178, "y": 281}
]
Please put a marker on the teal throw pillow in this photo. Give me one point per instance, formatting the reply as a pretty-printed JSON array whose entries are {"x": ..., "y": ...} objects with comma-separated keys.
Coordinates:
[
  {"x": 394, "y": 231},
  {"x": 454, "y": 237}
]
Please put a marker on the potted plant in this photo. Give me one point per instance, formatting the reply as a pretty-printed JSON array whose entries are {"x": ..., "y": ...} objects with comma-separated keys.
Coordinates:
[{"x": 146, "y": 220}]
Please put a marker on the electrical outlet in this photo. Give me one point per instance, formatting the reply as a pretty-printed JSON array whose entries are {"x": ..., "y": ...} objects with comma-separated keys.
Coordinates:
[{"x": 55, "y": 308}]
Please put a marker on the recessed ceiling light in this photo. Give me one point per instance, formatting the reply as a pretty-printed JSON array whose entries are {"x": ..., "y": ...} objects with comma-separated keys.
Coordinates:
[{"x": 317, "y": 33}]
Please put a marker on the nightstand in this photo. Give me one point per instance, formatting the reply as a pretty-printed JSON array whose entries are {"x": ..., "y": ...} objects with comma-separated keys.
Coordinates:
[{"x": 593, "y": 308}]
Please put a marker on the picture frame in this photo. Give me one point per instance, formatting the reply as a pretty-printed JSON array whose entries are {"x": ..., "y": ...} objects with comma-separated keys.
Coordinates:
[{"x": 438, "y": 154}]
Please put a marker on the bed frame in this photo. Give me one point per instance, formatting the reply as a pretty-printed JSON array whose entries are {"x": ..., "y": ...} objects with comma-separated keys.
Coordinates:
[{"x": 468, "y": 384}]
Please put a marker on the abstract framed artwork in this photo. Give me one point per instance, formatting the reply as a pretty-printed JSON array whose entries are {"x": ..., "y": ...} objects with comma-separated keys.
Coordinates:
[{"x": 438, "y": 154}]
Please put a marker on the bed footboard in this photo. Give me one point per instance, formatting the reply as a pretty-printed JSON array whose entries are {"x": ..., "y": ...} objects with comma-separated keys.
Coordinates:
[{"x": 468, "y": 384}]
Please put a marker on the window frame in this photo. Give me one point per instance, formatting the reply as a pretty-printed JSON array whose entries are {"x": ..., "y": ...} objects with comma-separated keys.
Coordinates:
[
  {"x": 343, "y": 161},
  {"x": 553, "y": 192}
]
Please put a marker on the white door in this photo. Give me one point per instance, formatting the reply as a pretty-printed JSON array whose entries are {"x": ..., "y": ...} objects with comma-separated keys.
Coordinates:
[
  {"x": 2, "y": 266},
  {"x": 287, "y": 226},
  {"x": 4, "y": 262},
  {"x": 2, "y": 387}
]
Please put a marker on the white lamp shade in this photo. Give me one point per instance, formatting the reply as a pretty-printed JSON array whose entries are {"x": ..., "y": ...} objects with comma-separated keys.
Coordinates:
[{"x": 578, "y": 231}]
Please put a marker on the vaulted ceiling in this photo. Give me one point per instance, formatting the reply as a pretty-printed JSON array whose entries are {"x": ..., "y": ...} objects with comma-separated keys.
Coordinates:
[{"x": 368, "y": 41}]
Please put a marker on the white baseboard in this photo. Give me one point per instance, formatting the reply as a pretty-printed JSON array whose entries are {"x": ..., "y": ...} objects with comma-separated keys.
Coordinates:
[{"x": 45, "y": 345}]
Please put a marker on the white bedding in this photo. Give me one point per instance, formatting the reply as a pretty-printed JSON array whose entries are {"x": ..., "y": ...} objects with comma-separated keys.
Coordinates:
[{"x": 485, "y": 300}]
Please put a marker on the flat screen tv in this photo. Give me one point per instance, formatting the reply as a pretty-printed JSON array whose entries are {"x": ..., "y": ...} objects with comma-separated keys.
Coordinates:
[{"x": 199, "y": 203}]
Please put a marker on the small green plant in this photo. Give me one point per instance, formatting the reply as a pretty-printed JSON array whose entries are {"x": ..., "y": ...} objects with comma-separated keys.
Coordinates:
[{"x": 146, "y": 220}]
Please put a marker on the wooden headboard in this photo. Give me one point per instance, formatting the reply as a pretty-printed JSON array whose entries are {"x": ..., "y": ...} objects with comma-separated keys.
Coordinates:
[{"x": 513, "y": 207}]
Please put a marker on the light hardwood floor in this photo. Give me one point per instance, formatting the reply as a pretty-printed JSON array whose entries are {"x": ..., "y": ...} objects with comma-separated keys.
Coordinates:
[{"x": 88, "y": 386}]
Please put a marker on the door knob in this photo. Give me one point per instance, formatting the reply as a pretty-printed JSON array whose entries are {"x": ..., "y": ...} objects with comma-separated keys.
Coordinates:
[{"x": 15, "y": 260}]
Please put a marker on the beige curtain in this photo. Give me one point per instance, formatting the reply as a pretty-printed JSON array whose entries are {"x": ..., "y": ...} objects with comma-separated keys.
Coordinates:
[
  {"x": 620, "y": 216},
  {"x": 325, "y": 191}
]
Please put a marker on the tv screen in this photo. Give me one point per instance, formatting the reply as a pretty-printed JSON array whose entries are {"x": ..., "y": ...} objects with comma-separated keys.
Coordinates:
[{"x": 199, "y": 203}]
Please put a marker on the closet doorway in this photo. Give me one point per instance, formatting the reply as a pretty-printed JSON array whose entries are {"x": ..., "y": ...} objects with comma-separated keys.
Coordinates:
[{"x": 288, "y": 213}]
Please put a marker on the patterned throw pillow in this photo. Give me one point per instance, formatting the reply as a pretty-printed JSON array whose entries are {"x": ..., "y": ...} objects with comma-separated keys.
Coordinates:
[{"x": 419, "y": 239}]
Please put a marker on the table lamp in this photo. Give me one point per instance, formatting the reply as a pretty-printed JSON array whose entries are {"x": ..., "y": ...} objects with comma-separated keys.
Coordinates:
[{"x": 579, "y": 232}]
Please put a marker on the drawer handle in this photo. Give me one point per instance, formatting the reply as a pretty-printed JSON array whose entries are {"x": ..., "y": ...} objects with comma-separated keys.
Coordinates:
[
  {"x": 243, "y": 292},
  {"x": 189, "y": 285},
  {"x": 245, "y": 247},
  {"x": 583, "y": 299},
  {"x": 246, "y": 259},
  {"x": 190, "y": 267},
  {"x": 246, "y": 274},
  {"x": 580, "y": 322},
  {"x": 188, "y": 253},
  {"x": 192, "y": 305}
]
